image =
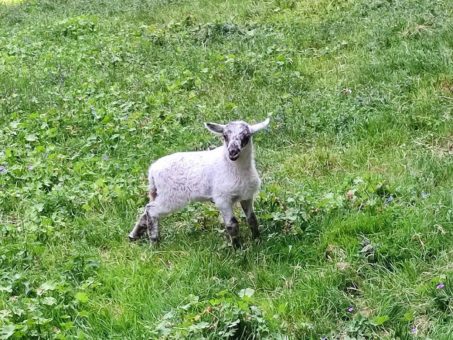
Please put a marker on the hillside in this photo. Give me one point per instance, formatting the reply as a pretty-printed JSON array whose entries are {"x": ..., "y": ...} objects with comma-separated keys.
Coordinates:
[{"x": 356, "y": 204}]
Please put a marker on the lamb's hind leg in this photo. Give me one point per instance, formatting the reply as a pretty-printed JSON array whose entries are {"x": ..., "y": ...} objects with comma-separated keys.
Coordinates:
[
  {"x": 155, "y": 210},
  {"x": 144, "y": 222},
  {"x": 153, "y": 229}
]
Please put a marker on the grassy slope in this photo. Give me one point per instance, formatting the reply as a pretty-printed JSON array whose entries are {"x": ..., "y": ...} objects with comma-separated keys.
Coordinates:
[{"x": 361, "y": 98}]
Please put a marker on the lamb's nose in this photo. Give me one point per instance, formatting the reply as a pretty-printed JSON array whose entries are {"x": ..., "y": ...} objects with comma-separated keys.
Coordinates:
[{"x": 234, "y": 154}]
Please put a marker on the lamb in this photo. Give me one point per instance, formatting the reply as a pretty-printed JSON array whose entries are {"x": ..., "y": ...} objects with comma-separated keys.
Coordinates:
[{"x": 225, "y": 175}]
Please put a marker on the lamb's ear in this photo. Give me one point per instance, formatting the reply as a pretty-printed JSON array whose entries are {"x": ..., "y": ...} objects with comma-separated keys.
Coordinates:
[
  {"x": 259, "y": 126},
  {"x": 215, "y": 128}
]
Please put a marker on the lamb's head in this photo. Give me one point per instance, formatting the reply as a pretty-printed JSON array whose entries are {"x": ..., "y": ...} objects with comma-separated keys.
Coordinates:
[{"x": 236, "y": 135}]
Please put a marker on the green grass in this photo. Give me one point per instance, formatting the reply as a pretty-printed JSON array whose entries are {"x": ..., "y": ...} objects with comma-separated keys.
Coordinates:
[{"x": 357, "y": 202}]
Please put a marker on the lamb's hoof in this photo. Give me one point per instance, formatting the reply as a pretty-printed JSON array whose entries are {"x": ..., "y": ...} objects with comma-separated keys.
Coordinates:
[
  {"x": 154, "y": 241},
  {"x": 257, "y": 240},
  {"x": 236, "y": 243},
  {"x": 132, "y": 238}
]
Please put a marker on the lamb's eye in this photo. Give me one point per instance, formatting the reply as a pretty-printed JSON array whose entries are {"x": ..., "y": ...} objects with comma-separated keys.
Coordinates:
[
  {"x": 245, "y": 141},
  {"x": 225, "y": 136}
]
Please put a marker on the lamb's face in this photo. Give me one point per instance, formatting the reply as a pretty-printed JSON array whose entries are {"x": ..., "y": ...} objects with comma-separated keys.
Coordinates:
[{"x": 236, "y": 136}]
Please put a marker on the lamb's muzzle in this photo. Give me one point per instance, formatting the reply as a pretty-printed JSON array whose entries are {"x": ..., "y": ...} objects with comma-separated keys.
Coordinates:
[{"x": 225, "y": 176}]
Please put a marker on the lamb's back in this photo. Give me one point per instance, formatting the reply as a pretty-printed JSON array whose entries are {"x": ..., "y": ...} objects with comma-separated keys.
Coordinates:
[{"x": 186, "y": 173}]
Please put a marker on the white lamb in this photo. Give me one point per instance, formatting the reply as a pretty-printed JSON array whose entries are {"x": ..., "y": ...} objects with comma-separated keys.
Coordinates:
[{"x": 225, "y": 175}]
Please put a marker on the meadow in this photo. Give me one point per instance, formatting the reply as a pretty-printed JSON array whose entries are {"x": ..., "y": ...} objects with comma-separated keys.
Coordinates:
[{"x": 356, "y": 205}]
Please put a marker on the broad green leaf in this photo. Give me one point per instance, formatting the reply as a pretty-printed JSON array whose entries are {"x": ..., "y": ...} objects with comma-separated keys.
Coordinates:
[
  {"x": 246, "y": 292},
  {"x": 7, "y": 331},
  {"x": 380, "y": 320},
  {"x": 31, "y": 138},
  {"x": 46, "y": 286},
  {"x": 81, "y": 297},
  {"x": 199, "y": 326},
  {"x": 49, "y": 301}
]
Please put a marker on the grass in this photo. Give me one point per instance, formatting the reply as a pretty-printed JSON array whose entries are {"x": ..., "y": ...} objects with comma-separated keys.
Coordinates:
[{"x": 356, "y": 204}]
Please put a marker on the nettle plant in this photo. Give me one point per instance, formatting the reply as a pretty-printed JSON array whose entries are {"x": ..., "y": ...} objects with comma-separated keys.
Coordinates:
[
  {"x": 227, "y": 316},
  {"x": 55, "y": 308}
]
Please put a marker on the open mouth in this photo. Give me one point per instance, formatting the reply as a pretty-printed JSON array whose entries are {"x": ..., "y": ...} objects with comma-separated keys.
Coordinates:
[{"x": 235, "y": 157}]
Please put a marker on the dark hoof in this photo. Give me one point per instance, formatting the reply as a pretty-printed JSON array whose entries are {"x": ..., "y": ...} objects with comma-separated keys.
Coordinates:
[
  {"x": 236, "y": 243},
  {"x": 256, "y": 235},
  {"x": 132, "y": 238},
  {"x": 154, "y": 240}
]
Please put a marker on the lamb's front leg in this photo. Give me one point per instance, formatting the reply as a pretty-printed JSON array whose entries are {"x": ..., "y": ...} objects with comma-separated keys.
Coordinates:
[
  {"x": 231, "y": 223},
  {"x": 154, "y": 210},
  {"x": 247, "y": 206}
]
